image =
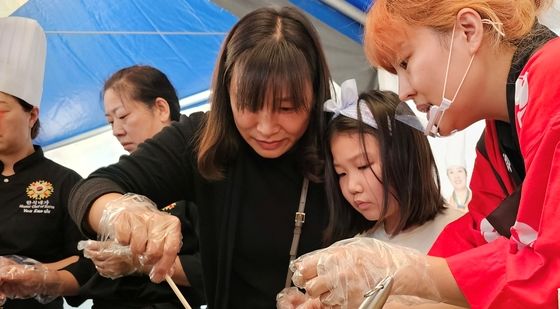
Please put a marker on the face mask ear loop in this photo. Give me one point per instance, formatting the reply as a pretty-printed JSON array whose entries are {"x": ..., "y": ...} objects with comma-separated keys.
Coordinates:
[
  {"x": 446, "y": 75},
  {"x": 448, "y": 62},
  {"x": 447, "y": 70}
]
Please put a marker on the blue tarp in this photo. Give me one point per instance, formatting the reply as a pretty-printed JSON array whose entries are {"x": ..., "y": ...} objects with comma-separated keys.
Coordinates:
[
  {"x": 87, "y": 40},
  {"x": 334, "y": 18}
]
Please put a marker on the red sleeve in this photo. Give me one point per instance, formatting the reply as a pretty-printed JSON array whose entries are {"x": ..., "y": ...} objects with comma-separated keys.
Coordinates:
[{"x": 522, "y": 272}]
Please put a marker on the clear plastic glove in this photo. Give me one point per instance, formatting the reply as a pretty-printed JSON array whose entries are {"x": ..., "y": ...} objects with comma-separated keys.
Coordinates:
[
  {"x": 341, "y": 274},
  {"x": 22, "y": 278},
  {"x": 293, "y": 298},
  {"x": 112, "y": 260},
  {"x": 154, "y": 236},
  {"x": 4, "y": 261}
]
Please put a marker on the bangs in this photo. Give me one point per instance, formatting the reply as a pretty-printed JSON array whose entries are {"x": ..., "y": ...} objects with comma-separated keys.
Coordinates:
[
  {"x": 384, "y": 33},
  {"x": 275, "y": 71}
]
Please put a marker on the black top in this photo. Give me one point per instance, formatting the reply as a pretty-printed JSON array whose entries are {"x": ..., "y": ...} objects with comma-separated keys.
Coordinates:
[
  {"x": 34, "y": 218},
  {"x": 246, "y": 220}
]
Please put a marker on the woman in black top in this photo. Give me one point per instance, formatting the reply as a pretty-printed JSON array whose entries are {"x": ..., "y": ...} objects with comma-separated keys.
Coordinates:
[
  {"x": 243, "y": 164},
  {"x": 140, "y": 101}
]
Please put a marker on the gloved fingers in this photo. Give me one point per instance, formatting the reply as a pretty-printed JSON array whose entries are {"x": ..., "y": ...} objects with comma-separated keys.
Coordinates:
[
  {"x": 116, "y": 265},
  {"x": 290, "y": 298},
  {"x": 171, "y": 246},
  {"x": 318, "y": 286},
  {"x": 9, "y": 291},
  {"x": 131, "y": 230},
  {"x": 332, "y": 300},
  {"x": 156, "y": 239},
  {"x": 308, "y": 265},
  {"x": 20, "y": 282},
  {"x": 6, "y": 260},
  {"x": 305, "y": 268},
  {"x": 314, "y": 303},
  {"x": 91, "y": 245},
  {"x": 111, "y": 273}
]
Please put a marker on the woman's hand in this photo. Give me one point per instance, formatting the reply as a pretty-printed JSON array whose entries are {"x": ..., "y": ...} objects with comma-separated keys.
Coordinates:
[
  {"x": 154, "y": 237},
  {"x": 292, "y": 298},
  {"x": 112, "y": 260},
  {"x": 341, "y": 274},
  {"x": 23, "y": 278}
]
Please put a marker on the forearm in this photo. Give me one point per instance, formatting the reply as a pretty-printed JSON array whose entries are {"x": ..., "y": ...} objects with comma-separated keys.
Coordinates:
[
  {"x": 70, "y": 286},
  {"x": 96, "y": 210},
  {"x": 431, "y": 280},
  {"x": 62, "y": 263},
  {"x": 445, "y": 283}
]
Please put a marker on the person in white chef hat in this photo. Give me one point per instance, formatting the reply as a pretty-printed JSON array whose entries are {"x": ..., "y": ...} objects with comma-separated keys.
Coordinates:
[
  {"x": 38, "y": 254},
  {"x": 456, "y": 167}
]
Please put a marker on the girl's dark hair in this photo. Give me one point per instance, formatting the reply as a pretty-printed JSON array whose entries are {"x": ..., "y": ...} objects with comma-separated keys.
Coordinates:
[
  {"x": 28, "y": 108},
  {"x": 271, "y": 50},
  {"x": 409, "y": 172},
  {"x": 144, "y": 84}
]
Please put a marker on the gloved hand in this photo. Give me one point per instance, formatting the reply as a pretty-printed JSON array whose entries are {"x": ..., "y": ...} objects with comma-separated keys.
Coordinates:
[
  {"x": 341, "y": 274},
  {"x": 111, "y": 259},
  {"x": 154, "y": 236},
  {"x": 292, "y": 298},
  {"x": 22, "y": 278},
  {"x": 4, "y": 261}
]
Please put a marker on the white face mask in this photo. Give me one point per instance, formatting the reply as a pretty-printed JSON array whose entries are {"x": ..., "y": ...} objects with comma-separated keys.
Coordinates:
[{"x": 435, "y": 114}]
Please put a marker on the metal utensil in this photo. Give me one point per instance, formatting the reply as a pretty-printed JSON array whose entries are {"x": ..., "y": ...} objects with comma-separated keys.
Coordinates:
[{"x": 376, "y": 297}]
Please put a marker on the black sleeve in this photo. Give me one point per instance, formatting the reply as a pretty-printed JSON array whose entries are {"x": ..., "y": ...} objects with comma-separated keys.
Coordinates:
[
  {"x": 71, "y": 232},
  {"x": 82, "y": 270},
  {"x": 83, "y": 195},
  {"x": 162, "y": 168}
]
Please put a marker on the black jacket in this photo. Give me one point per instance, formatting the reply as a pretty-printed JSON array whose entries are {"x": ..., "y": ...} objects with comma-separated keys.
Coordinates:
[{"x": 246, "y": 220}]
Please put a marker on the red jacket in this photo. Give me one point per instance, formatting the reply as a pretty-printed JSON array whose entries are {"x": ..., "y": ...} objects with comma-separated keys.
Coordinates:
[{"x": 521, "y": 271}]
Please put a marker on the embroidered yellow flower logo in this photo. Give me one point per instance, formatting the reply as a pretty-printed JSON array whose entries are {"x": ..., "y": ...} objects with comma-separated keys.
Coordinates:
[{"x": 39, "y": 190}]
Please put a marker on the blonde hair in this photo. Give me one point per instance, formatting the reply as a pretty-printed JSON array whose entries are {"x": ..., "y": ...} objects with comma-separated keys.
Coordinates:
[{"x": 506, "y": 22}]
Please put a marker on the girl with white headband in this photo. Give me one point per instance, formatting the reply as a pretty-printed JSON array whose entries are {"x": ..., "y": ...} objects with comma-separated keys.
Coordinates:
[{"x": 380, "y": 176}]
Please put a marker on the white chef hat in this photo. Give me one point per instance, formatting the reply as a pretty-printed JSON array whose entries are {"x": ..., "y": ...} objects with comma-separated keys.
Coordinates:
[
  {"x": 455, "y": 154},
  {"x": 23, "y": 48}
]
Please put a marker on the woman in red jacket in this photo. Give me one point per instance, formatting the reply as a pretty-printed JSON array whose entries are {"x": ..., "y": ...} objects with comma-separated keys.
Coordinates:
[{"x": 462, "y": 62}]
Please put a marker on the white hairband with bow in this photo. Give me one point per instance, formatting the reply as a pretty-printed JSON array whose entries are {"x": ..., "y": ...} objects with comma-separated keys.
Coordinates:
[{"x": 347, "y": 104}]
